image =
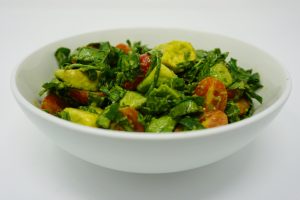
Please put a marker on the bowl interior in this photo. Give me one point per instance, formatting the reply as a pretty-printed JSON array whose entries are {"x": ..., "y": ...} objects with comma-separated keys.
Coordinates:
[{"x": 39, "y": 66}]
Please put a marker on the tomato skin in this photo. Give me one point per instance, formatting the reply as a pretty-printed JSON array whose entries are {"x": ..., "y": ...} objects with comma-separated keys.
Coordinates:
[
  {"x": 53, "y": 104},
  {"x": 214, "y": 118},
  {"x": 214, "y": 93},
  {"x": 132, "y": 116},
  {"x": 123, "y": 47},
  {"x": 243, "y": 105},
  {"x": 131, "y": 85},
  {"x": 145, "y": 62},
  {"x": 80, "y": 96}
]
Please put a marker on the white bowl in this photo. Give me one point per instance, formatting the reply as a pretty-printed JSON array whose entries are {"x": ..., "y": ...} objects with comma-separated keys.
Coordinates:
[{"x": 152, "y": 153}]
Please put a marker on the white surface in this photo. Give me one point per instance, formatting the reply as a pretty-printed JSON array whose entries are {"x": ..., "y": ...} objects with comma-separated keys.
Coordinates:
[{"x": 33, "y": 168}]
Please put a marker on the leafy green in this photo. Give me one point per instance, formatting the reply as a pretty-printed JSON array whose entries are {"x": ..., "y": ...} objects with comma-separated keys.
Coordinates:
[
  {"x": 232, "y": 112},
  {"x": 129, "y": 67},
  {"x": 162, "y": 124},
  {"x": 137, "y": 47},
  {"x": 190, "y": 123},
  {"x": 184, "y": 108},
  {"x": 62, "y": 56},
  {"x": 245, "y": 80}
]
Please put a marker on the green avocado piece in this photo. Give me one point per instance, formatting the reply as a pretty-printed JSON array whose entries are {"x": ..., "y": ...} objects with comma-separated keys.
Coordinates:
[
  {"x": 184, "y": 108},
  {"x": 221, "y": 72},
  {"x": 132, "y": 99},
  {"x": 103, "y": 121},
  {"x": 162, "y": 124},
  {"x": 81, "y": 117},
  {"x": 165, "y": 74},
  {"x": 76, "y": 79},
  {"x": 176, "y": 52}
]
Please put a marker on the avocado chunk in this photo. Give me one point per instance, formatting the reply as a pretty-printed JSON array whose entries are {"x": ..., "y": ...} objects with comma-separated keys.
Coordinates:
[
  {"x": 103, "y": 121},
  {"x": 132, "y": 99},
  {"x": 81, "y": 117},
  {"x": 176, "y": 52},
  {"x": 76, "y": 79},
  {"x": 221, "y": 72},
  {"x": 184, "y": 108},
  {"x": 165, "y": 74},
  {"x": 162, "y": 124}
]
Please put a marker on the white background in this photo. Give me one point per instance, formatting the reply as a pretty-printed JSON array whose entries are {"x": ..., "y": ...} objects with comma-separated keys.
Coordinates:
[{"x": 31, "y": 167}]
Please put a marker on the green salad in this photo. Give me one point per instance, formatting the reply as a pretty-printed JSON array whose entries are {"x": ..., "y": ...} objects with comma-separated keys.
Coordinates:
[{"x": 132, "y": 87}]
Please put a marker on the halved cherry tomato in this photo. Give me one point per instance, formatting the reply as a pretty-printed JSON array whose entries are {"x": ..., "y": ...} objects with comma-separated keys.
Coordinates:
[
  {"x": 124, "y": 47},
  {"x": 243, "y": 105},
  {"x": 145, "y": 62},
  {"x": 214, "y": 93},
  {"x": 132, "y": 116},
  {"x": 213, "y": 119},
  {"x": 80, "y": 96},
  {"x": 131, "y": 85},
  {"x": 53, "y": 104}
]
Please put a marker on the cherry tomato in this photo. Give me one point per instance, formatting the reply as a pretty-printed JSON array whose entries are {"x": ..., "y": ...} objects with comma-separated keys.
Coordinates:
[
  {"x": 145, "y": 62},
  {"x": 243, "y": 105},
  {"x": 214, "y": 93},
  {"x": 231, "y": 94},
  {"x": 213, "y": 119},
  {"x": 53, "y": 104},
  {"x": 132, "y": 116},
  {"x": 80, "y": 96},
  {"x": 131, "y": 85},
  {"x": 124, "y": 47}
]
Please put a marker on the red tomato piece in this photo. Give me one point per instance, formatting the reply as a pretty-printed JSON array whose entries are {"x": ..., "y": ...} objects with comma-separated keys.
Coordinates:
[
  {"x": 132, "y": 116},
  {"x": 131, "y": 85},
  {"x": 124, "y": 47},
  {"x": 145, "y": 62},
  {"x": 80, "y": 96},
  {"x": 213, "y": 119},
  {"x": 214, "y": 93},
  {"x": 52, "y": 104},
  {"x": 243, "y": 105}
]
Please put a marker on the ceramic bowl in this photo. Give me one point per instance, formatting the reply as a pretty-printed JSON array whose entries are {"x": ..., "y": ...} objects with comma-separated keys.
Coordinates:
[{"x": 144, "y": 152}]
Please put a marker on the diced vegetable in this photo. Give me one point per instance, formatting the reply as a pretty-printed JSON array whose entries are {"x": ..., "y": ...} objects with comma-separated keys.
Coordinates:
[
  {"x": 123, "y": 47},
  {"x": 81, "y": 117},
  {"x": 52, "y": 104},
  {"x": 162, "y": 124},
  {"x": 75, "y": 78},
  {"x": 214, "y": 92},
  {"x": 214, "y": 118},
  {"x": 221, "y": 72},
  {"x": 176, "y": 52},
  {"x": 132, "y": 99},
  {"x": 165, "y": 74},
  {"x": 184, "y": 108}
]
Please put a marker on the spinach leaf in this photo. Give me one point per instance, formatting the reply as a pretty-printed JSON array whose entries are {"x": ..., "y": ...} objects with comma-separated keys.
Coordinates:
[
  {"x": 232, "y": 112},
  {"x": 190, "y": 123},
  {"x": 245, "y": 80},
  {"x": 137, "y": 47},
  {"x": 62, "y": 56},
  {"x": 129, "y": 67},
  {"x": 91, "y": 55}
]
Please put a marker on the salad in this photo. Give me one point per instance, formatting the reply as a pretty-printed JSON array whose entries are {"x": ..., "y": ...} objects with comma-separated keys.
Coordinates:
[{"x": 131, "y": 87}]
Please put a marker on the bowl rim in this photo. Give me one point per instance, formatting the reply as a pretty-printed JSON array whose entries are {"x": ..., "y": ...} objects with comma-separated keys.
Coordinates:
[{"x": 144, "y": 135}]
